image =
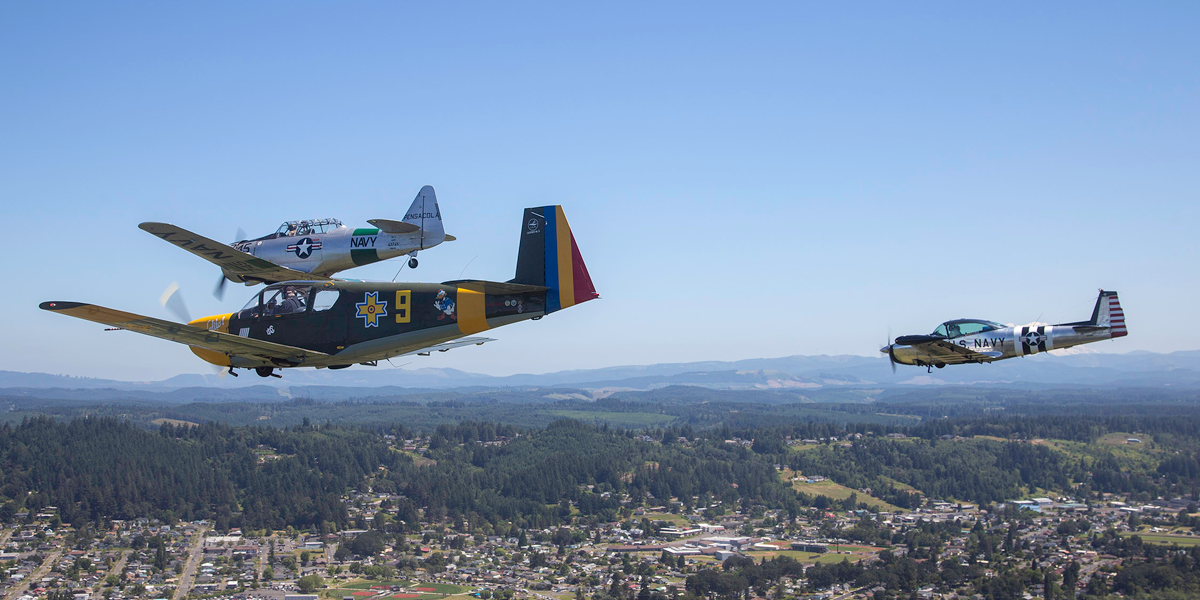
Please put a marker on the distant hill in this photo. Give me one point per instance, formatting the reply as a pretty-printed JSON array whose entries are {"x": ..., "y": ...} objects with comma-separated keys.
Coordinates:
[{"x": 806, "y": 376}]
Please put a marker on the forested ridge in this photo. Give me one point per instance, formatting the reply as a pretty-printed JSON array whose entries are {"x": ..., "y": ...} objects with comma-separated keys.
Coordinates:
[
  {"x": 265, "y": 477},
  {"x": 102, "y": 468}
]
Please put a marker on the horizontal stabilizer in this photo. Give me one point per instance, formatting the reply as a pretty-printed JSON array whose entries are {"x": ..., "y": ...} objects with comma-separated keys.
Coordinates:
[
  {"x": 495, "y": 288},
  {"x": 390, "y": 226}
]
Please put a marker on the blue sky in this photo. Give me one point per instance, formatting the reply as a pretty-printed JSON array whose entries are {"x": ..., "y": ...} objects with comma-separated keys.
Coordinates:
[{"x": 743, "y": 181}]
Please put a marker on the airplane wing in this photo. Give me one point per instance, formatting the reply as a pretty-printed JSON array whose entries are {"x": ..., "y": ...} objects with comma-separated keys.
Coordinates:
[
  {"x": 225, "y": 343},
  {"x": 952, "y": 354},
  {"x": 231, "y": 260},
  {"x": 468, "y": 341}
]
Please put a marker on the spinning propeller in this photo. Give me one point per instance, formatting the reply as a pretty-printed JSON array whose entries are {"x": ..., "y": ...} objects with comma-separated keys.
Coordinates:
[
  {"x": 891, "y": 353},
  {"x": 219, "y": 291},
  {"x": 172, "y": 300}
]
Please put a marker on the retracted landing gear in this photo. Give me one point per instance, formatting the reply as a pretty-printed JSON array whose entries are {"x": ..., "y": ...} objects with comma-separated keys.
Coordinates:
[{"x": 267, "y": 372}]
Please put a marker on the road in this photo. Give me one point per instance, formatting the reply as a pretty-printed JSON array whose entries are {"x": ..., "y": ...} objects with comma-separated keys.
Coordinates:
[
  {"x": 120, "y": 564},
  {"x": 36, "y": 575},
  {"x": 193, "y": 563},
  {"x": 849, "y": 594},
  {"x": 4, "y": 535},
  {"x": 263, "y": 555}
]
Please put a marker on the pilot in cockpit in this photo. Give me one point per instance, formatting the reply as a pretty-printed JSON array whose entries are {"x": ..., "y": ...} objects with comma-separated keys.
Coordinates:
[
  {"x": 953, "y": 330},
  {"x": 293, "y": 302}
]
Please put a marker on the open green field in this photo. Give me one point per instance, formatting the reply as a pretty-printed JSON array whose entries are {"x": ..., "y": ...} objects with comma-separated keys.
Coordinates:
[
  {"x": 1136, "y": 457},
  {"x": 631, "y": 419},
  {"x": 899, "y": 485},
  {"x": 813, "y": 557},
  {"x": 1160, "y": 538},
  {"x": 836, "y": 491},
  {"x": 677, "y": 520},
  {"x": 367, "y": 584}
]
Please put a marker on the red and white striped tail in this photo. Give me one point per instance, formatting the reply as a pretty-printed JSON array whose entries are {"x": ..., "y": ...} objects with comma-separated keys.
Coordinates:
[{"x": 1115, "y": 316}]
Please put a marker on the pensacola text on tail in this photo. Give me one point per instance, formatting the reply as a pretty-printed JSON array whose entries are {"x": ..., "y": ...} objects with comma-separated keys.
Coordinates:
[{"x": 549, "y": 257}]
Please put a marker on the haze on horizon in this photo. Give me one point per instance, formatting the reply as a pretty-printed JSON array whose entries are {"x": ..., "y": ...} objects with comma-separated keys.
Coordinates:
[{"x": 743, "y": 181}]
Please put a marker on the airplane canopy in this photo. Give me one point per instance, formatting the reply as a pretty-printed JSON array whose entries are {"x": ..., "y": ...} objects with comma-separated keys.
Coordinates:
[
  {"x": 307, "y": 227},
  {"x": 961, "y": 327}
]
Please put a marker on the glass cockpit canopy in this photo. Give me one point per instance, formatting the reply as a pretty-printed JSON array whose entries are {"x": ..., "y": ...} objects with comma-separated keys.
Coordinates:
[
  {"x": 307, "y": 227},
  {"x": 961, "y": 327}
]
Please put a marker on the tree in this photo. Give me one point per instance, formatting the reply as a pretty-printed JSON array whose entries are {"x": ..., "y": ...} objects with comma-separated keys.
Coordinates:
[
  {"x": 310, "y": 583},
  {"x": 367, "y": 544},
  {"x": 435, "y": 563}
]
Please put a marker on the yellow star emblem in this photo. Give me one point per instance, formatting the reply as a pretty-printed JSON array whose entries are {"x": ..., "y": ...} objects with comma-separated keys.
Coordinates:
[{"x": 371, "y": 308}]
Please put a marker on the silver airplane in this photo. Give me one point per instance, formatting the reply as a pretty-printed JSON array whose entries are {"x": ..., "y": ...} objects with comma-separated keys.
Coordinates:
[
  {"x": 977, "y": 341},
  {"x": 314, "y": 249}
]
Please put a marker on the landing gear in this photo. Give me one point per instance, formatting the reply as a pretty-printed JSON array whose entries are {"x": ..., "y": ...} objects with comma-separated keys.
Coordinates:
[
  {"x": 232, "y": 372},
  {"x": 940, "y": 365},
  {"x": 266, "y": 372},
  {"x": 412, "y": 263}
]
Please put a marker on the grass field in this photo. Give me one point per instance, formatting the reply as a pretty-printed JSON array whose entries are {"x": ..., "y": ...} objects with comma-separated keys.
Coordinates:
[
  {"x": 1137, "y": 457},
  {"x": 677, "y": 520},
  {"x": 1159, "y": 538},
  {"x": 436, "y": 588},
  {"x": 813, "y": 557},
  {"x": 632, "y": 419},
  {"x": 175, "y": 422},
  {"x": 836, "y": 491},
  {"x": 899, "y": 485}
]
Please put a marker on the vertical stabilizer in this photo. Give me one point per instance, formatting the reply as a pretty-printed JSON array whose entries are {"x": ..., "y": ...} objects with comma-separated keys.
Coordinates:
[
  {"x": 550, "y": 257},
  {"x": 1108, "y": 313},
  {"x": 425, "y": 214}
]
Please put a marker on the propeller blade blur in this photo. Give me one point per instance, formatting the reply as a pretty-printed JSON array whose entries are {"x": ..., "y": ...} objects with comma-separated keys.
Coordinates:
[{"x": 172, "y": 300}]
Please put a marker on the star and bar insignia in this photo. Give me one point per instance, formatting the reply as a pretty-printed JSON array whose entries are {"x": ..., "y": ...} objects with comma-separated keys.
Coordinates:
[{"x": 304, "y": 248}]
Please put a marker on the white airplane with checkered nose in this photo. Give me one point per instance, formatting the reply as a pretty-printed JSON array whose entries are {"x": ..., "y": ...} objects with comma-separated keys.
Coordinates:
[{"x": 977, "y": 341}]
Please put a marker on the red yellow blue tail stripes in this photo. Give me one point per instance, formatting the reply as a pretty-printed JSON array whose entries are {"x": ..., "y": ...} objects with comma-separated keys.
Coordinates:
[
  {"x": 550, "y": 257},
  {"x": 566, "y": 274}
]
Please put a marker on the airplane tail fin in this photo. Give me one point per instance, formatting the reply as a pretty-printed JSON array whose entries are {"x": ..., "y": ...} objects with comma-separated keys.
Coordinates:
[
  {"x": 550, "y": 257},
  {"x": 425, "y": 214},
  {"x": 1108, "y": 313}
]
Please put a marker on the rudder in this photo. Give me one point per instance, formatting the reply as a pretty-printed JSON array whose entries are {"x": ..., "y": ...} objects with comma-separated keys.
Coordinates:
[
  {"x": 1108, "y": 313},
  {"x": 425, "y": 214},
  {"x": 549, "y": 257}
]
